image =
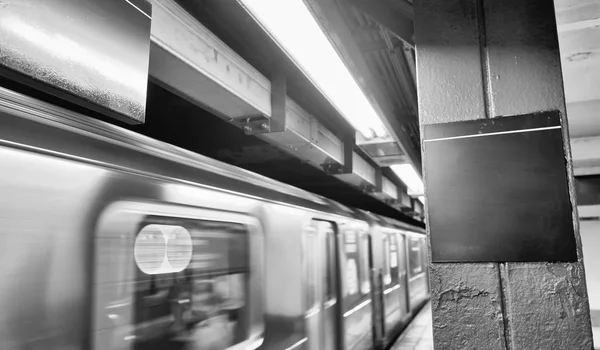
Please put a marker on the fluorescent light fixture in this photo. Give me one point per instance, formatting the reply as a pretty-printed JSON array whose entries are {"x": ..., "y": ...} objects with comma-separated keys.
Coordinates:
[
  {"x": 293, "y": 27},
  {"x": 411, "y": 179}
]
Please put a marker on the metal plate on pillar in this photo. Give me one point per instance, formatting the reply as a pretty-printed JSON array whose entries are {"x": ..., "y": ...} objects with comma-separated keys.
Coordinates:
[
  {"x": 497, "y": 190},
  {"x": 93, "y": 53}
]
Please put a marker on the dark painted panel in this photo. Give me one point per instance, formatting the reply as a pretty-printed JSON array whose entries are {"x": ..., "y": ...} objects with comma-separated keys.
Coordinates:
[
  {"x": 499, "y": 197},
  {"x": 486, "y": 126}
]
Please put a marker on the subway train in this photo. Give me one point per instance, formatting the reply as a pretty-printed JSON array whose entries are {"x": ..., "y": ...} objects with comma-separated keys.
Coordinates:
[{"x": 113, "y": 240}]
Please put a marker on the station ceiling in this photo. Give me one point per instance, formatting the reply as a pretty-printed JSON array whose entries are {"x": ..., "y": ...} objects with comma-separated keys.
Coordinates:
[
  {"x": 579, "y": 37},
  {"x": 380, "y": 59},
  {"x": 375, "y": 56},
  {"x": 376, "y": 42},
  {"x": 221, "y": 86},
  {"x": 175, "y": 120}
]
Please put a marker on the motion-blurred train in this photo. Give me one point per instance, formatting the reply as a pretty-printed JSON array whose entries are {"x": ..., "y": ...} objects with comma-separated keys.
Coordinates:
[{"x": 112, "y": 240}]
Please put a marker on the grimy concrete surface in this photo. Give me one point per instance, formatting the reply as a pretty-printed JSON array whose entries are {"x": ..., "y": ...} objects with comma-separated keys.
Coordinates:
[{"x": 488, "y": 59}]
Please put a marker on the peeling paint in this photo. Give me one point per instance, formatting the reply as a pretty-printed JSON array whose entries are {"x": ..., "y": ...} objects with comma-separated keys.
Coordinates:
[
  {"x": 545, "y": 305},
  {"x": 580, "y": 56},
  {"x": 455, "y": 295}
]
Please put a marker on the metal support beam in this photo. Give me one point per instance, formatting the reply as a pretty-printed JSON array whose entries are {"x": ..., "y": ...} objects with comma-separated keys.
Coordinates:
[
  {"x": 588, "y": 190},
  {"x": 589, "y": 212},
  {"x": 404, "y": 200},
  {"x": 329, "y": 17},
  {"x": 278, "y": 98},
  {"x": 189, "y": 60},
  {"x": 586, "y": 155},
  {"x": 390, "y": 190},
  {"x": 396, "y": 16},
  {"x": 363, "y": 174},
  {"x": 349, "y": 142},
  {"x": 378, "y": 183},
  {"x": 488, "y": 59}
]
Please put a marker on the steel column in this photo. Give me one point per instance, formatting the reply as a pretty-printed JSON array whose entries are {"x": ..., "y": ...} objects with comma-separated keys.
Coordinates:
[{"x": 488, "y": 59}]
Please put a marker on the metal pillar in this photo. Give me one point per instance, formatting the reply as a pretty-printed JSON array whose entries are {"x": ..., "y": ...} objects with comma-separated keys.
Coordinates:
[{"x": 487, "y": 59}]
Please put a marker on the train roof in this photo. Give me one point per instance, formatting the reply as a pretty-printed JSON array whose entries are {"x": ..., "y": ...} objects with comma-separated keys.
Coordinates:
[{"x": 46, "y": 128}]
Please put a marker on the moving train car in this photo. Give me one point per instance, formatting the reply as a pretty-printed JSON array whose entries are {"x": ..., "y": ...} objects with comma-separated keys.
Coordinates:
[{"x": 112, "y": 240}]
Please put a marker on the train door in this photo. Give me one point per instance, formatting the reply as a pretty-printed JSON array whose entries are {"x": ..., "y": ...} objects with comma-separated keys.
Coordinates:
[
  {"x": 322, "y": 314},
  {"x": 425, "y": 262},
  {"x": 402, "y": 273},
  {"x": 174, "y": 277}
]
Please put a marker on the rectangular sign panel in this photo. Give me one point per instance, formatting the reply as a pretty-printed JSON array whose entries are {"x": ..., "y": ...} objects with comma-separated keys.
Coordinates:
[
  {"x": 497, "y": 190},
  {"x": 93, "y": 53}
]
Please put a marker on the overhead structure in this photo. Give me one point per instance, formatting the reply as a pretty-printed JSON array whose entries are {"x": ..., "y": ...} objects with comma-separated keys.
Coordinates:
[
  {"x": 191, "y": 61},
  {"x": 298, "y": 95},
  {"x": 331, "y": 75},
  {"x": 326, "y": 69},
  {"x": 578, "y": 23},
  {"x": 222, "y": 81},
  {"x": 396, "y": 16},
  {"x": 383, "y": 63}
]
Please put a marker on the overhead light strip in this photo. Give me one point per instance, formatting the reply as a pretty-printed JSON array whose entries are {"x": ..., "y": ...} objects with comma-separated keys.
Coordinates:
[
  {"x": 292, "y": 26},
  {"x": 408, "y": 175}
]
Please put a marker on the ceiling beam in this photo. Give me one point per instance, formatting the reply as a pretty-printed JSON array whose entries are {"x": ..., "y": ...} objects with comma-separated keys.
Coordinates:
[
  {"x": 329, "y": 16},
  {"x": 589, "y": 212},
  {"x": 396, "y": 16},
  {"x": 586, "y": 155},
  {"x": 190, "y": 61},
  {"x": 588, "y": 190}
]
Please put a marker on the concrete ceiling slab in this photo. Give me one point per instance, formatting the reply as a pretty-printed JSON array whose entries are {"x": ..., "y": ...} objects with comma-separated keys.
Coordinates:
[
  {"x": 584, "y": 118},
  {"x": 578, "y": 24}
]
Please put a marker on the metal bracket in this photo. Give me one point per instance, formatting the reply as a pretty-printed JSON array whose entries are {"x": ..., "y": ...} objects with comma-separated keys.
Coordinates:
[
  {"x": 404, "y": 200},
  {"x": 278, "y": 103},
  {"x": 253, "y": 125},
  {"x": 260, "y": 124},
  {"x": 332, "y": 167},
  {"x": 378, "y": 180},
  {"x": 349, "y": 142}
]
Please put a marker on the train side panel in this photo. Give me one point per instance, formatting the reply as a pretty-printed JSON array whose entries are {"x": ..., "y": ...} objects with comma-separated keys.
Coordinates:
[
  {"x": 112, "y": 244},
  {"x": 355, "y": 268},
  {"x": 285, "y": 276},
  {"x": 46, "y": 210},
  {"x": 417, "y": 269}
]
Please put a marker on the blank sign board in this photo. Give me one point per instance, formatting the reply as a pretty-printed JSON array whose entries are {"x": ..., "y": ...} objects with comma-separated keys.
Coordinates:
[{"x": 497, "y": 190}]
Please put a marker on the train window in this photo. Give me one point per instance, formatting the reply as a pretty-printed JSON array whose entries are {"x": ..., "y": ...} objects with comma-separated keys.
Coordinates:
[
  {"x": 415, "y": 258},
  {"x": 387, "y": 273},
  {"x": 312, "y": 269},
  {"x": 393, "y": 252},
  {"x": 154, "y": 256},
  {"x": 351, "y": 276},
  {"x": 424, "y": 261},
  {"x": 330, "y": 261},
  {"x": 192, "y": 284},
  {"x": 365, "y": 282}
]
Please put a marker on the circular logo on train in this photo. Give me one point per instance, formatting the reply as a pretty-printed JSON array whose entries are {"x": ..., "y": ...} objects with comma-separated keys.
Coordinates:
[{"x": 163, "y": 249}]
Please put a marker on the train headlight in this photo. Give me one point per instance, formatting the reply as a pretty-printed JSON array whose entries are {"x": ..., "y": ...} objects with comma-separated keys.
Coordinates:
[{"x": 163, "y": 249}]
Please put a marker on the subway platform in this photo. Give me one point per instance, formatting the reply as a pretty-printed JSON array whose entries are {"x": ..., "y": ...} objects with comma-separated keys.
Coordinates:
[{"x": 419, "y": 334}]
